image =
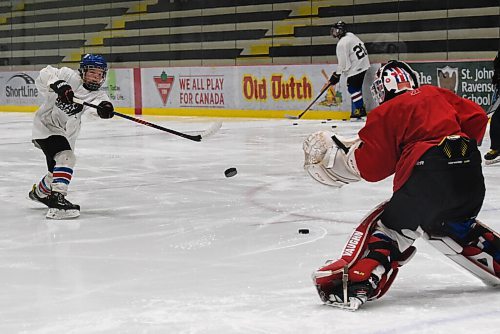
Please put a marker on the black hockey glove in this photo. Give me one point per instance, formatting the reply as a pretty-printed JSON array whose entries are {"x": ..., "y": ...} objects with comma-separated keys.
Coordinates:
[
  {"x": 105, "y": 109},
  {"x": 64, "y": 91},
  {"x": 334, "y": 79}
]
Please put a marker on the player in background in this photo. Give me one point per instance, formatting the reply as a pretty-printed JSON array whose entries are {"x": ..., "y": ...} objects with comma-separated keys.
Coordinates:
[
  {"x": 427, "y": 136},
  {"x": 57, "y": 124},
  {"x": 353, "y": 62},
  {"x": 493, "y": 155}
]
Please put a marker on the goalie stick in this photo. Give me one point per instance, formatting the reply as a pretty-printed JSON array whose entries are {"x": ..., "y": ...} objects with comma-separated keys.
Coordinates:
[
  {"x": 310, "y": 104},
  {"x": 208, "y": 132}
]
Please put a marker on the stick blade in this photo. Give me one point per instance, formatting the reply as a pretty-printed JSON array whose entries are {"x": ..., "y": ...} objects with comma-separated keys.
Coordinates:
[
  {"x": 291, "y": 117},
  {"x": 211, "y": 130}
]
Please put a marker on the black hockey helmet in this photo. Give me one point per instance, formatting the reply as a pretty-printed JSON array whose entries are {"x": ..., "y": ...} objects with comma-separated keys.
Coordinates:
[
  {"x": 338, "y": 30},
  {"x": 392, "y": 79}
]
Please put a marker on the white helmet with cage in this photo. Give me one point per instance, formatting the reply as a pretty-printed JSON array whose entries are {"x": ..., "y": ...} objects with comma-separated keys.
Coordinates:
[{"x": 392, "y": 79}]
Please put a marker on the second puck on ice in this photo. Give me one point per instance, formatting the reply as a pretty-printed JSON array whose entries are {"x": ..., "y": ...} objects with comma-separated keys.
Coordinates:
[
  {"x": 230, "y": 172},
  {"x": 303, "y": 231}
]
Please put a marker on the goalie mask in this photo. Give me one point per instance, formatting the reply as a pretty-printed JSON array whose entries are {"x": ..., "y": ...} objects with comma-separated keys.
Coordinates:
[
  {"x": 392, "y": 79},
  {"x": 93, "y": 69},
  {"x": 338, "y": 30}
]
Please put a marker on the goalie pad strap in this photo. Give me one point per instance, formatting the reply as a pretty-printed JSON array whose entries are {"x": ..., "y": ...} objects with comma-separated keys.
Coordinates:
[{"x": 380, "y": 258}]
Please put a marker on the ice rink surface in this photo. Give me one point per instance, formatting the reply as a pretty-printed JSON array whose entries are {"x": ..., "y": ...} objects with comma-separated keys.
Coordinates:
[{"x": 167, "y": 244}]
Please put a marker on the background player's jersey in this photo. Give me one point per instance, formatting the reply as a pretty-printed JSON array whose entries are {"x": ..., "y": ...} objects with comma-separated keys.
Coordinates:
[
  {"x": 51, "y": 118},
  {"x": 351, "y": 55},
  {"x": 401, "y": 130}
]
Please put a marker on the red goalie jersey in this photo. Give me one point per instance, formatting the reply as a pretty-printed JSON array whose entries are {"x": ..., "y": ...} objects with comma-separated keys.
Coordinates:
[{"x": 400, "y": 131}]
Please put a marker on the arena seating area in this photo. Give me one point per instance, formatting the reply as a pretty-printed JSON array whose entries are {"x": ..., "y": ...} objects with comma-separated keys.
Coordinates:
[{"x": 128, "y": 33}]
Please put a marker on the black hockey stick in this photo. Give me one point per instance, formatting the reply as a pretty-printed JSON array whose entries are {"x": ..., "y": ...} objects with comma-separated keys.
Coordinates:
[
  {"x": 494, "y": 106},
  {"x": 340, "y": 144},
  {"x": 310, "y": 104},
  {"x": 198, "y": 137}
]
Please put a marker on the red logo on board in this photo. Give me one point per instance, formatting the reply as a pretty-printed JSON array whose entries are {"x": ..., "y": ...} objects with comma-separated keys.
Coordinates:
[{"x": 164, "y": 84}]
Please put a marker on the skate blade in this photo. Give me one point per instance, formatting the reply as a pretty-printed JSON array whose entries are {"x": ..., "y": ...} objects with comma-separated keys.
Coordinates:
[
  {"x": 348, "y": 307},
  {"x": 355, "y": 119},
  {"x": 62, "y": 214},
  {"x": 491, "y": 162}
]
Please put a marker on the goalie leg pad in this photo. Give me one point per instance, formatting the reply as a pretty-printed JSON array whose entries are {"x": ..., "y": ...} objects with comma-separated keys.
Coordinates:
[
  {"x": 372, "y": 259},
  {"x": 473, "y": 246}
]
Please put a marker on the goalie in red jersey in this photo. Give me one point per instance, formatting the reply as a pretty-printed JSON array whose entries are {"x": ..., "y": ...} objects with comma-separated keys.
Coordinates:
[{"x": 427, "y": 137}]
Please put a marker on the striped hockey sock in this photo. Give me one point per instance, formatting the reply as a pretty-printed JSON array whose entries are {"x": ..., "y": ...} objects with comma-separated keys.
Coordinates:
[
  {"x": 62, "y": 178},
  {"x": 43, "y": 187}
]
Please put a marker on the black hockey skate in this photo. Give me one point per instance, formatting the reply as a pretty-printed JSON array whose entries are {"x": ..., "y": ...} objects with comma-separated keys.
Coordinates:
[
  {"x": 34, "y": 197},
  {"x": 492, "y": 157},
  {"x": 61, "y": 208},
  {"x": 358, "y": 113}
]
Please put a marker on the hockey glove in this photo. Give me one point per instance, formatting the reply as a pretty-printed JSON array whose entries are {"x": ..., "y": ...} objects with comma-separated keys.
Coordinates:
[
  {"x": 328, "y": 162},
  {"x": 334, "y": 79},
  {"x": 105, "y": 110},
  {"x": 63, "y": 90}
]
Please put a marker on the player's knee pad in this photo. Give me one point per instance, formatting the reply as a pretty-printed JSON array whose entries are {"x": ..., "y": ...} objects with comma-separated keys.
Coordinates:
[
  {"x": 65, "y": 158},
  {"x": 371, "y": 259}
]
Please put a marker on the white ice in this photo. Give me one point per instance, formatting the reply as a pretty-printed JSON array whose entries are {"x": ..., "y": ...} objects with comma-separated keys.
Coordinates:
[{"x": 166, "y": 244}]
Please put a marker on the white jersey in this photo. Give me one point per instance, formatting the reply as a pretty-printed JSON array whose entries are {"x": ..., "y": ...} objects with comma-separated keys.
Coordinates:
[
  {"x": 351, "y": 55},
  {"x": 50, "y": 118}
]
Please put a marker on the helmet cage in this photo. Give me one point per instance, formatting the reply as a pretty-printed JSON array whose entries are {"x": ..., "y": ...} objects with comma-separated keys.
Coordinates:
[
  {"x": 392, "y": 79},
  {"x": 338, "y": 30},
  {"x": 90, "y": 61}
]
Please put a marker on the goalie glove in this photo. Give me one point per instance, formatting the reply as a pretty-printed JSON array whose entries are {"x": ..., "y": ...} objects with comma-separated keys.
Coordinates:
[{"x": 331, "y": 162}]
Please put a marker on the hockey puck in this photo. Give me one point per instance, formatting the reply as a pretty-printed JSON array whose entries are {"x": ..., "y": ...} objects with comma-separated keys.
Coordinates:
[
  {"x": 303, "y": 231},
  {"x": 230, "y": 172},
  {"x": 323, "y": 122},
  {"x": 295, "y": 124},
  {"x": 334, "y": 126}
]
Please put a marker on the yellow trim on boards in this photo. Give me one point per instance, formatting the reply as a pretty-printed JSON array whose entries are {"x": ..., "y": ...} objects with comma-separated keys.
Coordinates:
[{"x": 210, "y": 112}]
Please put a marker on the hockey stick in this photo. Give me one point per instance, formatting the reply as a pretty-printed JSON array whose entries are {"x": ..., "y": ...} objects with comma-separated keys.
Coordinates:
[
  {"x": 340, "y": 144},
  {"x": 211, "y": 130},
  {"x": 310, "y": 104},
  {"x": 494, "y": 106}
]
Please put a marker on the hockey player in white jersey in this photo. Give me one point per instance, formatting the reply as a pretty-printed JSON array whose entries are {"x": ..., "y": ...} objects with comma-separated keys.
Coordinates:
[
  {"x": 57, "y": 124},
  {"x": 353, "y": 63}
]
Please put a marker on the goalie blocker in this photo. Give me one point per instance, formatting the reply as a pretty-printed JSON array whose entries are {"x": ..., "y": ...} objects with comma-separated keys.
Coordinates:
[{"x": 370, "y": 260}]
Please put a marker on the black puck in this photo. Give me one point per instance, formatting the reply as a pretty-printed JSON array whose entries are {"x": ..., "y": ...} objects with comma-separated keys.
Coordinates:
[
  {"x": 323, "y": 122},
  {"x": 230, "y": 172},
  {"x": 303, "y": 231},
  {"x": 334, "y": 126},
  {"x": 295, "y": 124}
]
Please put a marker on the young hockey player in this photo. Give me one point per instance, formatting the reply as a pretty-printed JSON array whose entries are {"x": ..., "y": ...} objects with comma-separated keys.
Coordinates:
[
  {"x": 493, "y": 155},
  {"x": 353, "y": 62},
  {"x": 57, "y": 123},
  {"x": 427, "y": 137}
]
